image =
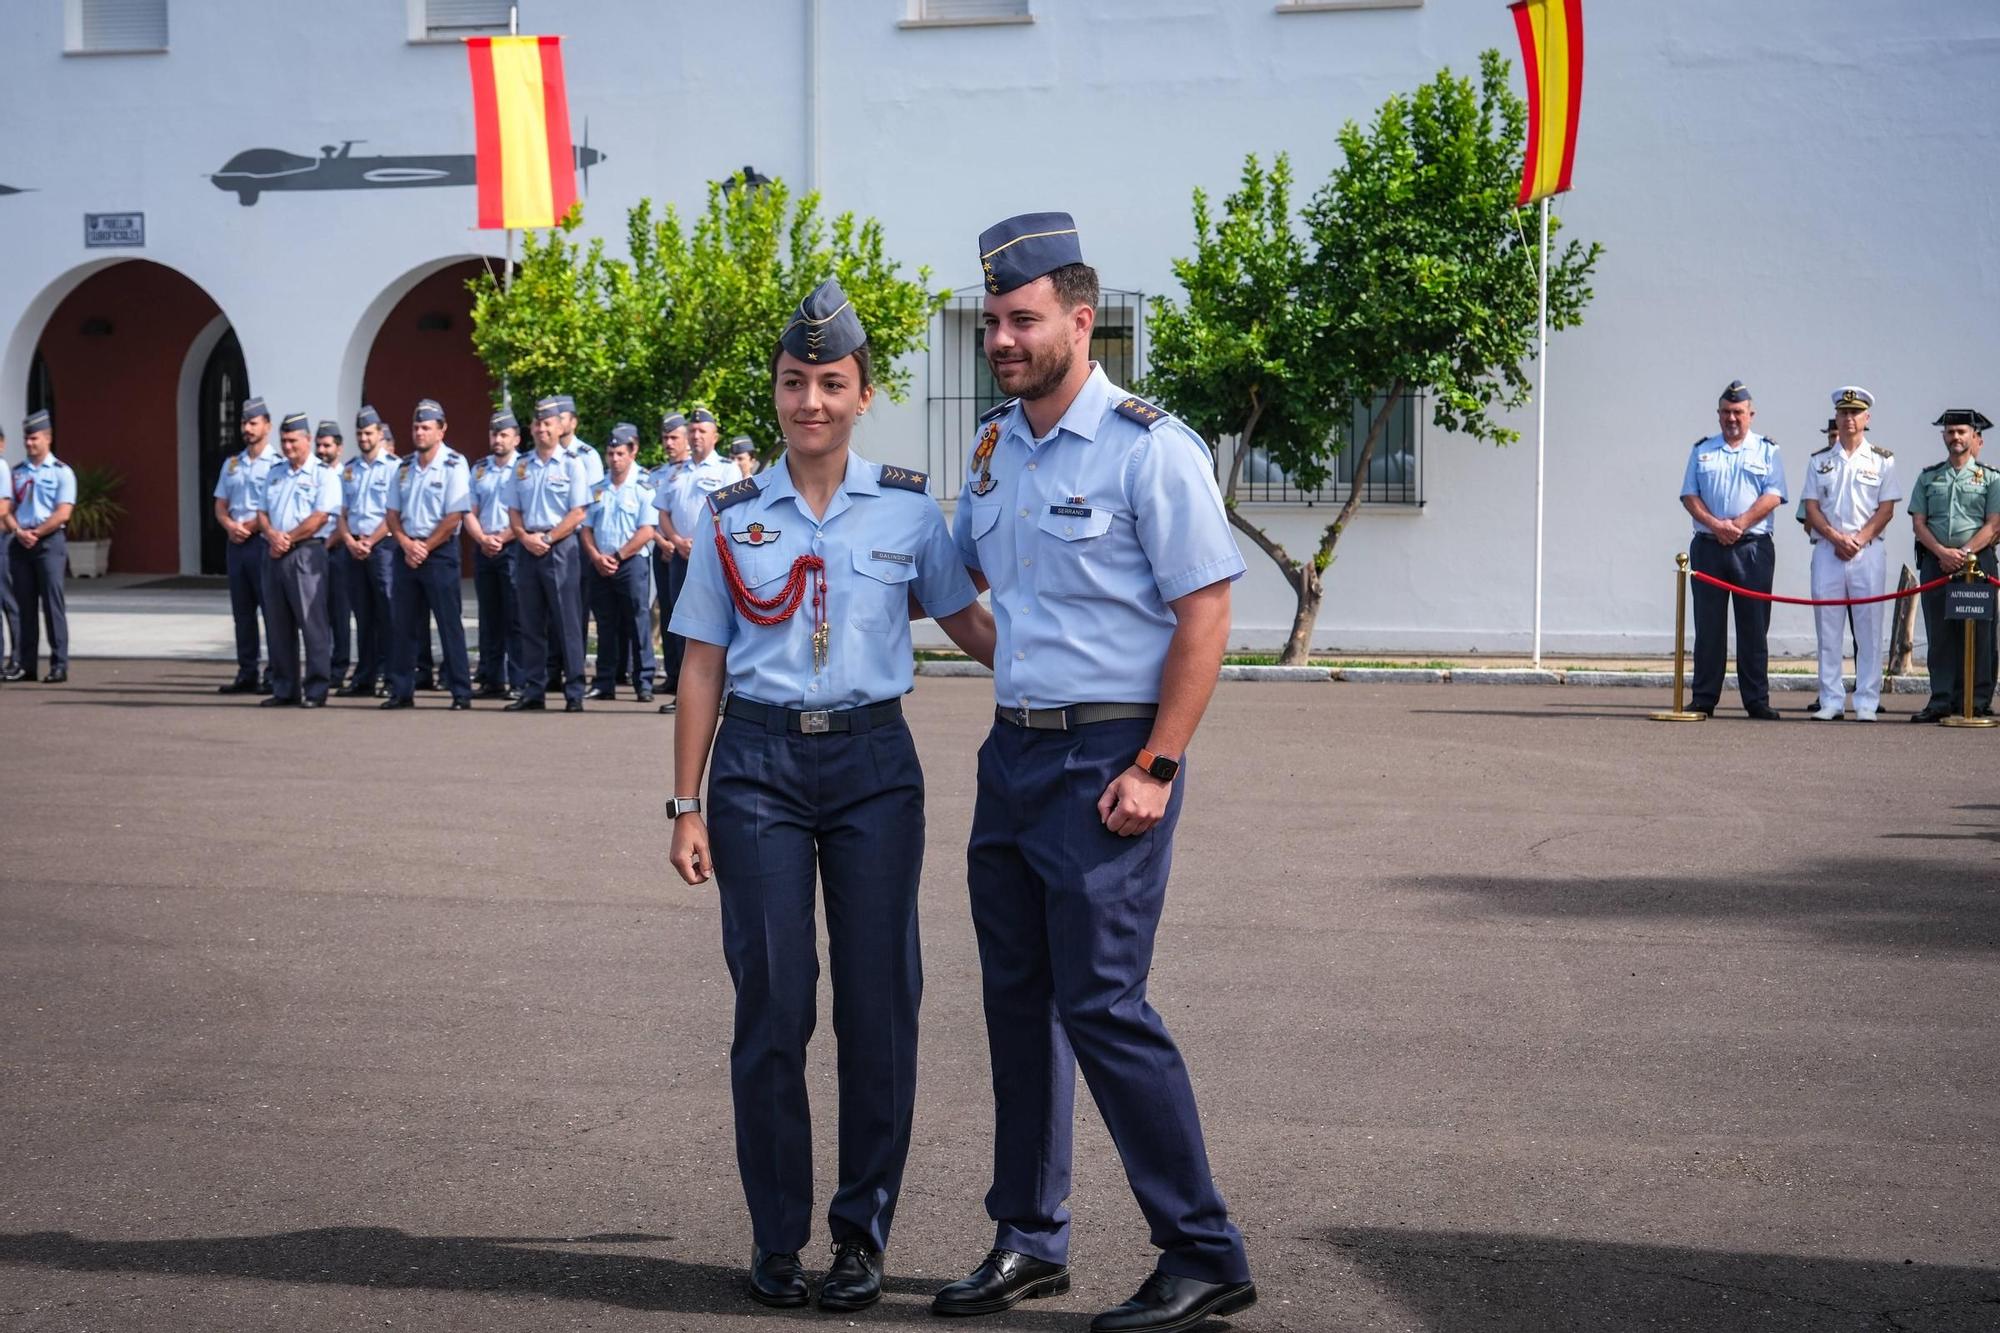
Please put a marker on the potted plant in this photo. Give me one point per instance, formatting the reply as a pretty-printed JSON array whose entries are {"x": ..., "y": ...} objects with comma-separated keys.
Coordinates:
[{"x": 96, "y": 513}]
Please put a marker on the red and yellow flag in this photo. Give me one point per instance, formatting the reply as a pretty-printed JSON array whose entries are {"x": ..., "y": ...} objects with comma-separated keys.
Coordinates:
[
  {"x": 526, "y": 167},
  {"x": 1552, "y": 55}
]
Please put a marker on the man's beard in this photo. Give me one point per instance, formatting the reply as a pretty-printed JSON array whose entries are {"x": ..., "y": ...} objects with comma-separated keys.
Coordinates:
[{"x": 1046, "y": 372}]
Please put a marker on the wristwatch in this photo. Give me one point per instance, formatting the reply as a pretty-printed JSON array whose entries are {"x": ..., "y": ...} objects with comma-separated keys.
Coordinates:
[
  {"x": 683, "y": 805},
  {"x": 1158, "y": 766}
]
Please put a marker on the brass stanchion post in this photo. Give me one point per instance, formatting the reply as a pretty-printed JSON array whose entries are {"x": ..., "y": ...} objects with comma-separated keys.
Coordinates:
[
  {"x": 1969, "y": 679},
  {"x": 1680, "y": 646}
]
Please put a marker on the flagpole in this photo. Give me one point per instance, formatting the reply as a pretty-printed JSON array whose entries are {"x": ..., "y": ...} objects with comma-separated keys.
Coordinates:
[
  {"x": 507, "y": 273},
  {"x": 1541, "y": 419}
]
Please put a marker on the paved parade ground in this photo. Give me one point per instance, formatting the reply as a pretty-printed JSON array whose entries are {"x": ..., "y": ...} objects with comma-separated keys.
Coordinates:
[{"x": 1507, "y": 1009}]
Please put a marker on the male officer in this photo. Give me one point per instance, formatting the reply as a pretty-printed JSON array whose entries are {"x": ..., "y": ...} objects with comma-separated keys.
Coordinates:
[
  {"x": 328, "y": 443},
  {"x": 1832, "y": 434},
  {"x": 593, "y": 473},
  {"x": 1733, "y": 483},
  {"x": 1096, "y": 521},
  {"x": 10, "y": 613},
  {"x": 427, "y": 505},
  {"x": 236, "y": 490},
  {"x": 363, "y": 531},
  {"x": 617, "y": 530},
  {"x": 1851, "y": 493},
  {"x": 743, "y": 453},
  {"x": 1955, "y": 508},
  {"x": 494, "y": 551},
  {"x": 681, "y": 505},
  {"x": 297, "y": 500},
  {"x": 44, "y": 493},
  {"x": 545, "y": 496},
  {"x": 666, "y": 574}
]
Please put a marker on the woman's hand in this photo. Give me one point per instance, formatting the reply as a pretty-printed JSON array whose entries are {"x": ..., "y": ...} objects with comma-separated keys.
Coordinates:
[{"x": 690, "y": 849}]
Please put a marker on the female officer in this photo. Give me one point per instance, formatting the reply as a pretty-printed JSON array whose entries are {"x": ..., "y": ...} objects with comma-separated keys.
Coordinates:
[{"x": 798, "y": 597}]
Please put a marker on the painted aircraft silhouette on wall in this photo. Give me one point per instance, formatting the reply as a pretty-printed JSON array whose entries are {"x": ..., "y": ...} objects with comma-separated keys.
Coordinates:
[{"x": 255, "y": 171}]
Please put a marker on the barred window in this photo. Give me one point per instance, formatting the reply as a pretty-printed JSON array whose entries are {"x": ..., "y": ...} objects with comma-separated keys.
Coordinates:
[
  {"x": 448, "y": 20},
  {"x": 98, "y": 27},
  {"x": 968, "y": 12},
  {"x": 1395, "y": 472}
]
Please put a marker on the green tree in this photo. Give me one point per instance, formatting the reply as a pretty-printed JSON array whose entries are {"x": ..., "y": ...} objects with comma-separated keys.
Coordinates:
[
  {"x": 690, "y": 315},
  {"x": 1411, "y": 270}
]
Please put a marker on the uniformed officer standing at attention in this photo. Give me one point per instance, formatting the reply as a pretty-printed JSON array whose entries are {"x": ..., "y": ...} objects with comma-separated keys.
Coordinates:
[
  {"x": 681, "y": 507},
  {"x": 1733, "y": 483},
  {"x": 38, "y": 555},
  {"x": 494, "y": 551},
  {"x": 1851, "y": 494},
  {"x": 1832, "y": 434},
  {"x": 296, "y": 502},
  {"x": 1955, "y": 508},
  {"x": 668, "y": 571},
  {"x": 617, "y": 533},
  {"x": 10, "y": 612},
  {"x": 328, "y": 443},
  {"x": 743, "y": 453},
  {"x": 1095, "y": 519},
  {"x": 371, "y": 554},
  {"x": 545, "y": 497},
  {"x": 593, "y": 472},
  {"x": 799, "y": 597},
  {"x": 427, "y": 506},
  {"x": 236, "y": 490}
]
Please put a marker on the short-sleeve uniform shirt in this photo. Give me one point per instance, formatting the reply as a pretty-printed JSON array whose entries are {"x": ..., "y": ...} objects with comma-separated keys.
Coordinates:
[
  {"x": 616, "y": 513},
  {"x": 425, "y": 495},
  {"x": 1848, "y": 488},
  {"x": 242, "y": 480},
  {"x": 291, "y": 494},
  {"x": 1728, "y": 481},
  {"x": 1956, "y": 501},
  {"x": 544, "y": 490}
]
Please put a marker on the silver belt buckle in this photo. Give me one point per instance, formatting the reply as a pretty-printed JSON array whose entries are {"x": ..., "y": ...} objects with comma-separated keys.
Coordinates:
[
  {"x": 1022, "y": 714},
  {"x": 815, "y": 723}
]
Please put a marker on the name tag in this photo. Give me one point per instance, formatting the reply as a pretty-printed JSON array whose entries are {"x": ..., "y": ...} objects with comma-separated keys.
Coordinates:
[
  {"x": 897, "y": 556},
  {"x": 1070, "y": 511}
]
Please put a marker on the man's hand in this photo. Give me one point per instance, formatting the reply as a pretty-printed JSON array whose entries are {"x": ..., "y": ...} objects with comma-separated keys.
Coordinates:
[
  {"x": 26, "y": 537},
  {"x": 607, "y": 564},
  {"x": 415, "y": 553},
  {"x": 280, "y": 542},
  {"x": 684, "y": 547},
  {"x": 1727, "y": 531},
  {"x": 1133, "y": 803},
  {"x": 536, "y": 542},
  {"x": 238, "y": 532},
  {"x": 1951, "y": 560},
  {"x": 1846, "y": 545},
  {"x": 492, "y": 545},
  {"x": 690, "y": 855}
]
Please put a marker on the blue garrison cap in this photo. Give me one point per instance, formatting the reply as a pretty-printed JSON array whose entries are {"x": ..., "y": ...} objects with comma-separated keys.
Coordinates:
[
  {"x": 367, "y": 417},
  {"x": 742, "y": 444},
  {"x": 328, "y": 429},
  {"x": 548, "y": 407},
  {"x": 701, "y": 414},
  {"x": 1024, "y": 247},
  {"x": 1964, "y": 416},
  {"x": 625, "y": 433},
  {"x": 254, "y": 408},
  {"x": 568, "y": 403},
  {"x": 35, "y": 421},
  {"x": 1737, "y": 392},
  {"x": 824, "y": 328},
  {"x": 1853, "y": 397},
  {"x": 428, "y": 410},
  {"x": 672, "y": 421},
  {"x": 503, "y": 421},
  {"x": 295, "y": 421}
]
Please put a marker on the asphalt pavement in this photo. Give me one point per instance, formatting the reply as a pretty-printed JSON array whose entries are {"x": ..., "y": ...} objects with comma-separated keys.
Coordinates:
[{"x": 1507, "y": 1010}]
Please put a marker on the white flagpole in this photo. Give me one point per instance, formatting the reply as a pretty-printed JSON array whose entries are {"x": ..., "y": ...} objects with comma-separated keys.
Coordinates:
[{"x": 1541, "y": 422}]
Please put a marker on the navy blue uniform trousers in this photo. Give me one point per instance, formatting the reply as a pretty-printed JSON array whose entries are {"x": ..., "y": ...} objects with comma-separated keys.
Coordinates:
[
  {"x": 500, "y": 653},
  {"x": 1945, "y": 658},
  {"x": 1065, "y": 912},
  {"x": 295, "y": 609},
  {"x": 371, "y": 595},
  {"x": 37, "y": 576},
  {"x": 669, "y": 573},
  {"x": 430, "y": 590},
  {"x": 10, "y": 610},
  {"x": 547, "y": 586},
  {"x": 623, "y": 604},
  {"x": 245, "y": 564},
  {"x": 1751, "y": 564},
  {"x": 851, "y": 807},
  {"x": 339, "y": 608}
]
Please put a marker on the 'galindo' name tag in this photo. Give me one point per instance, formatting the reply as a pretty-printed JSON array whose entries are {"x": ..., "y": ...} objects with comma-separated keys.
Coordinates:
[{"x": 898, "y": 557}]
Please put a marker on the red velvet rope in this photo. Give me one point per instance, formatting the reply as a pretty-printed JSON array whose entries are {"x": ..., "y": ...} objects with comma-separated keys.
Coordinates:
[{"x": 1828, "y": 601}]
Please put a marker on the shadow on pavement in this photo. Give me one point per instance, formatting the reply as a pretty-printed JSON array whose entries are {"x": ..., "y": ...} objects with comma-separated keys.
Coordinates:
[
  {"x": 1468, "y": 1281},
  {"x": 384, "y": 1258}
]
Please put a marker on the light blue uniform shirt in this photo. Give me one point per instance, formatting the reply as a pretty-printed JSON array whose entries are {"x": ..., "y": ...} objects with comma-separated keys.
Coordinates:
[
  {"x": 697, "y": 482},
  {"x": 242, "y": 480},
  {"x": 879, "y": 543},
  {"x": 364, "y": 491},
  {"x": 584, "y": 452},
  {"x": 1084, "y": 537},
  {"x": 545, "y": 490},
  {"x": 489, "y": 480},
  {"x": 6, "y": 482},
  {"x": 424, "y": 495},
  {"x": 616, "y": 513},
  {"x": 1729, "y": 480},
  {"x": 289, "y": 496},
  {"x": 38, "y": 490}
]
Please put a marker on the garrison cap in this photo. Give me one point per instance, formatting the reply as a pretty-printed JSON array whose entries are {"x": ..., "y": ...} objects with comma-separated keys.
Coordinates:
[
  {"x": 1737, "y": 392},
  {"x": 367, "y": 417},
  {"x": 1964, "y": 416},
  {"x": 428, "y": 410},
  {"x": 625, "y": 433},
  {"x": 503, "y": 421},
  {"x": 568, "y": 403},
  {"x": 254, "y": 408},
  {"x": 1852, "y": 397},
  {"x": 742, "y": 444},
  {"x": 35, "y": 421},
  {"x": 295, "y": 421},
  {"x": 701, "y": 414},
  {"x": 1025, "y": 247},
  {"x": 824, "y": 328},
  {"x": 328, "y": 430},
  {"x": 672, "y": 422},
  {"x": 551, "y": 406}
]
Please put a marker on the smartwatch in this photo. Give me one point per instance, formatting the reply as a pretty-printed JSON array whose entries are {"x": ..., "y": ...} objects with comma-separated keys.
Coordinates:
[
  {"x": 683, "y": 805},
  {"x": 1158, "y": 766}
]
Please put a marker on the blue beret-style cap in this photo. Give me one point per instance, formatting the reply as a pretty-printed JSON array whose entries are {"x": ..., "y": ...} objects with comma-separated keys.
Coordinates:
[
  {"x": 625, "y": 433},
  {"x": 825, "y": 327},
  {"x": 1853, "y": 397},
  {"x": 503, "y": 421},
  {"x": 35, "y": 421},
  {"x": 701, "y": 414},
  {"x": 1737, "y": 392},
  {"x": 548, "y": 407},
  {"x": 428, "y": 410},
  {"x": 1024, "y": 247},
  {"x": 292, "y": 421},
  {"x": 254, "y": 408},
  {"x": 671, "y": 422},
  {"x": 742, "y": 444},
  {"x": 367, "y": 417}
]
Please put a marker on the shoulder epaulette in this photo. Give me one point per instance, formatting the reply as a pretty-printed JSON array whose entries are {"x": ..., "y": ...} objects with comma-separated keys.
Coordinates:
[
  {"x": 729, "y": 495},
  {"x": 407, "y": 460},
  {"x": 1817, "y": 452},
  {"x": 995, "y": 412},
  {"x": 1884, "y": 452},
  {"x": 904, "y": 479},
  {"x": 1769, "y": 440},
  {"x": 1700, "y": 442},
  {"x": 1935, "y": 466},
  {"x": 1141, "y": 411}
]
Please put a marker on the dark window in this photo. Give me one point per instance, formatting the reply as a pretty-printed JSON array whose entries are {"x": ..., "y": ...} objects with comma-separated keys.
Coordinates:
[
  {"x": 225, "y": 383},
  {"x": 1395, "y": 473},
  {"x": 41, "y": 390}
]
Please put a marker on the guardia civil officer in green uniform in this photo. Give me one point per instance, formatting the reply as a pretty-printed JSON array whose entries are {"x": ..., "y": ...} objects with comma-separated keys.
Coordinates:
[
  {"x": 798, "y": 598},
  {"x": 1955, "y": 506}
]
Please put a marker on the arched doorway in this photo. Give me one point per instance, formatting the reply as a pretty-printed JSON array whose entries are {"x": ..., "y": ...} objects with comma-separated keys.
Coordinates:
[
  {"x": 218, "y": 418},
  {"x": 423, "y": 349}
]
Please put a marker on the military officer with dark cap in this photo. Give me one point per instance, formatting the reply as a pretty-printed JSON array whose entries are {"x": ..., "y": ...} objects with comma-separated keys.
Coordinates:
[
  {"x": 298, "y": 498},
  {"x": 743, "y": 454},
  {"x": 236, "y": 490},
  {"x": 1955, "y": 508},
  {"x": 1095, "y": 519},
  {"x": 617, "y": 532},
  {"x": 1734, "y": 482},
  {"x": 545, "y": 498},
  {"x": 365, "y": 483},
  {"x": 494, "y": 553},
  {"x": 44, "y": 494},
  {"x": 798, "y": 597},
  {"x": 669, "y": 570},
  {"x": 427, "y": 506},
  {"x": 328, "y": 444},
  {"x": 10, "y": 612}
]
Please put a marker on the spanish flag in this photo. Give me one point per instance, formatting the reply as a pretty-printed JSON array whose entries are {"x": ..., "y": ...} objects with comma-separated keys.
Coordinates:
[
  {"x": 526, "y": 167},
  {"x": 1552, "y": 55}
]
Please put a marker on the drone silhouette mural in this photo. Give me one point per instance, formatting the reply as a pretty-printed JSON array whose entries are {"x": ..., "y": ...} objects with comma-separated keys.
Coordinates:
[{"x": 257, "y": 171}]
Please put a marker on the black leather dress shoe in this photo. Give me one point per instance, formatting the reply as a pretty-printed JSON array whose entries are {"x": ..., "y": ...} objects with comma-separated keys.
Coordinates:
[
  {"x": 1762, "y": 713},
  {"x": 492, "y": 690},
  {"x": 461, "y": 705},
  {"x": 777, "y": 1279},
  {"x": 1167, "y": 1304},
  {"x": 398, "y": 703},
  {"x": 1706, "y": 710},
  {"x": 1928, "y": 714},
  {"x": 349, "y": 691},
  {"x": 263, "y": 685},
  {"x": 13, "y": 672},
  {"x": 667, "y": 707},
  {"x": 572, "y": 705},
  {"x": 312, "y": 703},
  {"x": 854, "y": 1282},
  {"x": 600, "y": 692},
  {"x": 274, "y": 702},
  {"x": 426, "y": 683},
  {"x": 61, "y": 674},
  {"x": 1003, "y": 1280},
  {"x": 233, "y": 687},
  {"x": 526, "y": 706},
  {"x": 381, "y": 690}
]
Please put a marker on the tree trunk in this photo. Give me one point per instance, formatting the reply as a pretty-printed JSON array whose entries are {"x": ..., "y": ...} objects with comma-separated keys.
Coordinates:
[
  {"x": 1311, "y": 591},
  {"x": 1314, "y": 588},
  {"x": 1303, "y": 578}
]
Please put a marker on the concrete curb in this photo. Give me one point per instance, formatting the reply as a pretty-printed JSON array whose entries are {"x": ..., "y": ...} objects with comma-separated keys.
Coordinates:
[{"x": 1784, "y": 683}]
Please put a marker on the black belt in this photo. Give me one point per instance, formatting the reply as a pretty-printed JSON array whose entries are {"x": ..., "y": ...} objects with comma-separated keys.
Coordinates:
[
  {"x": 1076, "y": 715},
  {"x": 814, "y": 722}
]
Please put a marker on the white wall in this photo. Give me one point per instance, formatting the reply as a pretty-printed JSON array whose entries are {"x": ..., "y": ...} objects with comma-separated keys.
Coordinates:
[{"x": 1798, "y": 193}]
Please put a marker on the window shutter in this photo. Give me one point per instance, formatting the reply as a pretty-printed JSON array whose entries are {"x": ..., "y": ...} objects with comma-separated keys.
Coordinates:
[
  {"x": 975, "y": 9},
  {"x": 455, "y": 18},
  {"x": 124, "y": 25}
]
